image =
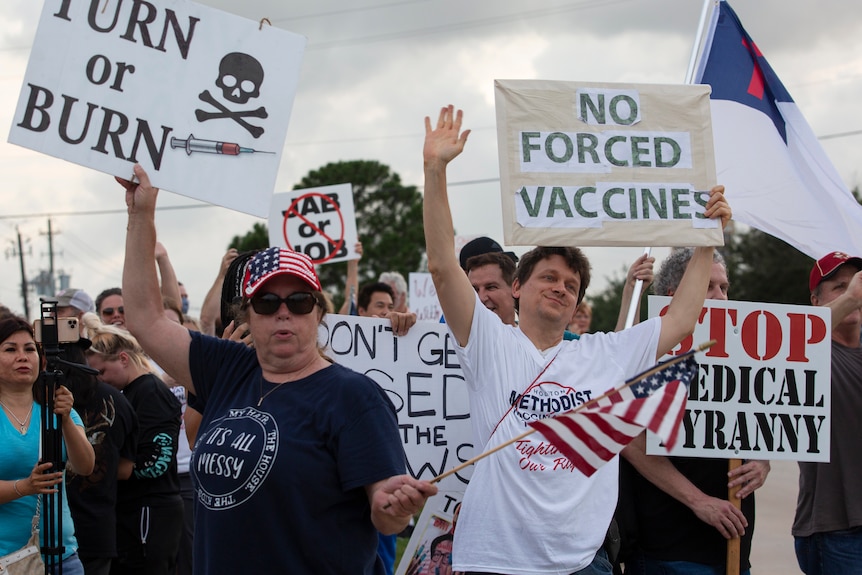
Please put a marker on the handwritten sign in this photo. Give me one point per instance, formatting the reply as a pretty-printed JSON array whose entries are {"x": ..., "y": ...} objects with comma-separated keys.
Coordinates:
[
  {"x": 421, "y": 375},
  {"x": 605, "y": 164},
  {"x": 764, "y": 387},
  {"x": 319, "y": 222},
  {"x": 200, "y": 98},
  {"x": 423, "y": 297}
]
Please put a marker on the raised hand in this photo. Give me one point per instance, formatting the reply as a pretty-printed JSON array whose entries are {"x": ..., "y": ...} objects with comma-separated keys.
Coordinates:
[{"x": 444, "y": 142}]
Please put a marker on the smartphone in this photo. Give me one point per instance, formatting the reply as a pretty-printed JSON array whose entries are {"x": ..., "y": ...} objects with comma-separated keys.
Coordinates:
[{"x": 67, "y": 329}]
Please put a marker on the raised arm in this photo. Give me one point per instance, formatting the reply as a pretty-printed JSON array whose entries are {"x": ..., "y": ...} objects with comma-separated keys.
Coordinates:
[
  {"x": 681, "y": 317},
  {"x": 169, "y": 285},
  {"x": 848, "y": 302},
  {"x": 443, "y": 144},
  {"x": 642, "y": 270},
  {"x": 351, "y": 287},
  {"x": 211, "y": 306},
  {"x": 165, "y": 341}
]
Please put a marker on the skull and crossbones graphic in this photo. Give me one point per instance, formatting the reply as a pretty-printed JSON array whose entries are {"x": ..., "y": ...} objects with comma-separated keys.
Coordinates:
[{"x": 240, "y": 77}]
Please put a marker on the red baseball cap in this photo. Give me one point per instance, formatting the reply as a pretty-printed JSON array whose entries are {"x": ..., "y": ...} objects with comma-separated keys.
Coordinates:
[{"x": 828, "y": 265}]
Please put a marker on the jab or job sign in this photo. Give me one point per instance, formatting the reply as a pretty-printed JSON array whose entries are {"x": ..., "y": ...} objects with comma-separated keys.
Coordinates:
[
  {"x": 763, "y": 391},
  {"x": 605, "y": 164},
  {"x": 200, "y": 98},
  {"x": 319, "y": 222}
]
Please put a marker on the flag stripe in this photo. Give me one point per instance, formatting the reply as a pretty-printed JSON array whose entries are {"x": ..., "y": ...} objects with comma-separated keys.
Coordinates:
[{"x": 593, "y": 435}]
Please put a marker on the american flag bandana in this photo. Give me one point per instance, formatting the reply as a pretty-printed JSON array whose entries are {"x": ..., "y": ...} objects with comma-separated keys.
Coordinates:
[{"x": 276, "y": 261}]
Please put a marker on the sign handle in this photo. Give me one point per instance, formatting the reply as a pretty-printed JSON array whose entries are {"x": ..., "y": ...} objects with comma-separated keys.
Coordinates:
[
  {"x": 733, "y": 544},
  {"x": 636, "y": 297}
]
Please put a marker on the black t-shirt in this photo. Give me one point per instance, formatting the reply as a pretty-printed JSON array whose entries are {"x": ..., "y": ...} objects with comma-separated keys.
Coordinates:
[
  {"x": 154, "y": 481},
  {"x": 667, "y": 530},
  {"x": 280, "y": 481},
  {"x": 111, "y": 426}
]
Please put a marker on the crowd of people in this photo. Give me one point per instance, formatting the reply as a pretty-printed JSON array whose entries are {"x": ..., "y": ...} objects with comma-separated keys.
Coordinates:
[{"x": 252, "y": 451}]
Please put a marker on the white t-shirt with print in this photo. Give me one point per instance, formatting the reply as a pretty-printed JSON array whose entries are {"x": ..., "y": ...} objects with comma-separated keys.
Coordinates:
[{"x": 527, "y": 511}]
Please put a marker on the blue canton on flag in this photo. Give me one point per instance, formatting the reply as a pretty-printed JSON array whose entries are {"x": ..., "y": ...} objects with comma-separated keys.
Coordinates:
[
  {"x": 778, "y": 177},
  {"x": 592, "y": 435},
  {"x": 742, "y": 73}
]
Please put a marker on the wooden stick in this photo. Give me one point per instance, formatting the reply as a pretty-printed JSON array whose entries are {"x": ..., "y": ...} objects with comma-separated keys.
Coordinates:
[
  {"x": 733, "y": 553},
  {"x": 655, "y": 369}
]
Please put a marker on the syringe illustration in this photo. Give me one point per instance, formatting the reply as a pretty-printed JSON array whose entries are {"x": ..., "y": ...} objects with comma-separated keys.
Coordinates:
[{"x": 192, "y": 144}]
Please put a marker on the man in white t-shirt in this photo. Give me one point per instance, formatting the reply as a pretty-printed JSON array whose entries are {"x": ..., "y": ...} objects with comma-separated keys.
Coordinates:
[{"x": 527, "y": 511}]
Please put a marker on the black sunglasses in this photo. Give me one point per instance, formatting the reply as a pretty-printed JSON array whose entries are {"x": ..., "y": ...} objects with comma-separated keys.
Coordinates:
[
  {"x": 300, "y": 303},
  {"x": 110, "y": 310}
]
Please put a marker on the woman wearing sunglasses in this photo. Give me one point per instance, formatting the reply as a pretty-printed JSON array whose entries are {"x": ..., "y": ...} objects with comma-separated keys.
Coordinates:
[{"x": 298, "y": 461}]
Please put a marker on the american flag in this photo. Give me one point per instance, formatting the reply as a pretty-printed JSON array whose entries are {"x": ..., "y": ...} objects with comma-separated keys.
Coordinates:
[{"x": 592, "y": 435}]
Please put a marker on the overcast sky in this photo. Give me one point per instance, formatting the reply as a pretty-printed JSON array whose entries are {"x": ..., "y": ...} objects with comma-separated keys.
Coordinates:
[{"x": 373, "y": 69}]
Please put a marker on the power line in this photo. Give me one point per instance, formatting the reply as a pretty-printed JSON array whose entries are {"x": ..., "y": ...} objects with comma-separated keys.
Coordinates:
[
  {"x": 183, "y": 207},
  {"x": 205, "y": 205},
  {"x": 457, "y": 26},
  {"x": 348, "y": 10},
  {"x": 100, "y": 212},
  {"x": 840, "y": 135}
]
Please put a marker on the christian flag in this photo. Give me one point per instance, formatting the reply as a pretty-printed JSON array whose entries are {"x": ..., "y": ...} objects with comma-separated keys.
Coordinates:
[
  {"x": 778, "y": 178},
  {"x": 592, "y": 435}
]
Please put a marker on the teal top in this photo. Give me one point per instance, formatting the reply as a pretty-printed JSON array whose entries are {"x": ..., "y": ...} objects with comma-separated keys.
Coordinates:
[{"x": 18, "y": 456}]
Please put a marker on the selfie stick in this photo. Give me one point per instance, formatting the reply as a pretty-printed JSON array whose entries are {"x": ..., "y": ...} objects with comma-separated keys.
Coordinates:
[{"x": 52, "y": 441}]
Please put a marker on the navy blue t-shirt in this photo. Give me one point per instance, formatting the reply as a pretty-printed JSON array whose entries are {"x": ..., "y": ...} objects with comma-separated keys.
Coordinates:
[{"x": 280, "y": 485}]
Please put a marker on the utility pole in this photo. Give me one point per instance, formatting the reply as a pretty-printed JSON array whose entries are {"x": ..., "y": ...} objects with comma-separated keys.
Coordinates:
[
  {"x": 52, "y": 282},
  {"x": 23, "y": 275}
]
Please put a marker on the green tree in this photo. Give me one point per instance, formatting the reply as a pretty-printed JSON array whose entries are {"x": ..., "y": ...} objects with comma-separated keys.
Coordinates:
[
  {"x": 388, "y": 221},
  {"x": 763, "y": 268},
  {"x": 257, "y": 238},
  {"x": 606, "y": 303}
]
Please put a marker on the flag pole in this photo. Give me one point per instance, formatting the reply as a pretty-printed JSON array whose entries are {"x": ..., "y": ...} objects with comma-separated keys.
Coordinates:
[
  {"x": 733, "y": 545},
  {"x": 689, "y": 78},
  {"x": 641, "y": 376},
  {"x": 636, "y": 296},
  {"x": 698, "y": 39}
]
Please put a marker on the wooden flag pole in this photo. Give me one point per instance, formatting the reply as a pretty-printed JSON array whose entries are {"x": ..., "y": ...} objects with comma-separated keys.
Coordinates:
[
  {"x": 733, "y": 544},
  {"x": 655, "y": 369}
]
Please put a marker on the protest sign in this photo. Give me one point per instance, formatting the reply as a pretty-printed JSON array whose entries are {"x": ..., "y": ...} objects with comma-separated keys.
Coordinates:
[
  {"x": 605, "y": 164},
  {"x": 429, "y": 551},
  {"x": 319, "y": 222},
  {"x": 200, "y": 98},
  {"x": 421, "y": 375},
  {"x": 763, "y": 391},
  {"x": 423, "y": 297}
]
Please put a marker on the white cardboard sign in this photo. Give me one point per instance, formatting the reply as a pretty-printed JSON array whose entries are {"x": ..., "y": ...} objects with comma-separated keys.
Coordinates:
[
  {"x": 764, "y": 387},
  {"x": 200, "y": 98},
  {"x": 421, "y": 375},
  {"x": 319, "y": 222},
  {"x": 605, "y": 164}
]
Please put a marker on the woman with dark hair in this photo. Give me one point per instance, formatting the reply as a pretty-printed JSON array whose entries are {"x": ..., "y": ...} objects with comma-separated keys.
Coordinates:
[
  {"x": 109, "y": 306},
  {"x": 298, "y": 462},
  {"x": 23, "y": 477}
]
